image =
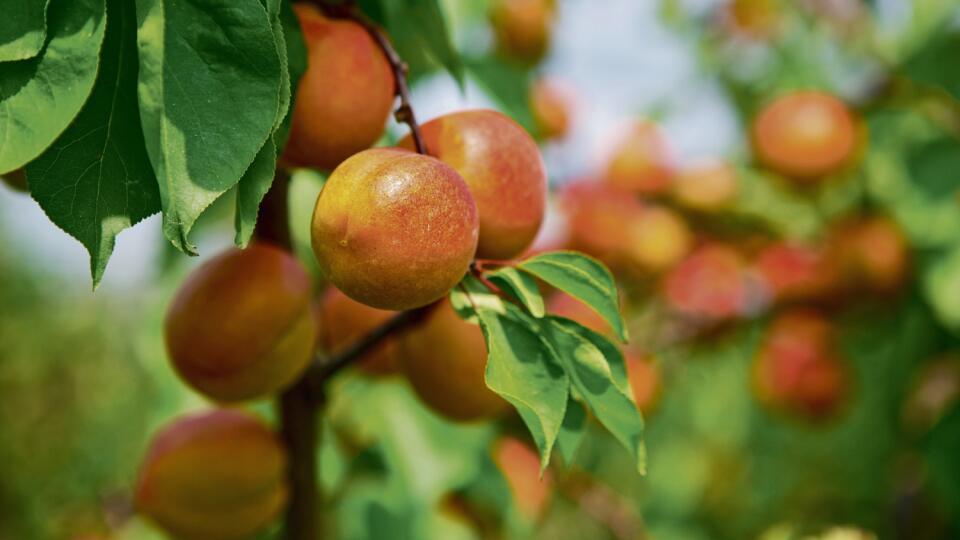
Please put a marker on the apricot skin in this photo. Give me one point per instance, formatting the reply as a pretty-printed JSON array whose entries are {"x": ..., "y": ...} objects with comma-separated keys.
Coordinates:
[
  {"x": 550, "y": 106},
  {"x": 393, "y": 229},
  {"x": 445, "y": 360},
  {"x": 520, "y": 466},
  {"x": 344, "y": 98},
  {"x": 502, "y": 165},
  {"x": 805, "y": 135},
  {"x": 522, "y": 28},
  {"x": 641, "y": 163},
  {"x": 343, "y": 320},
  {"x": 241, "y": 326},
  {"x": 217, "y": 475}
]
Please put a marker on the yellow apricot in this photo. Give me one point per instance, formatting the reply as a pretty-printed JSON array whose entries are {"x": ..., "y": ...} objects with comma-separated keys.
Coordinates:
[
  {"x": 216, "y": 475},
  {"x": 502, "y": 165},
  {"x": 707, "y": 186},
  {"x": 344, "y": 98},
  {"x": 550, "y": 105},
  {"x": 641, "y": 162},
  {"x": 241, "y": 325},
  {"x": 393, "y": 229},
  {"x": 522, "y": 28},
  {"x": 445, "y": 359}
]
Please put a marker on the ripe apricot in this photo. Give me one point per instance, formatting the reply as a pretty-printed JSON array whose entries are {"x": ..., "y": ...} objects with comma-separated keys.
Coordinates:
[
  {"x": 445, "y": 359},
  {"x": 504, "y": 170},
  {"x": 240, "y": 327},
  {"x": 656, "y": 239},
  {"x": 873, "y": 253},
  {"x": 520, "y": 466},
  {"x": 805, "y": 135},
  {"x": 707, "y": 186},
  {"x": 644, "y": 377},
  {"x": 641, "y": 163},
  {"x": 709, "y": 283},
  {"x": 393, "y": 229},
  {"x": 343, "y": 320},
  {"x": 216, "y": 475},
  {"x": 550, "y": 105},
  {"x": 344, "y": 98},
  {"x": 795, "y": 271},
  {"x": 522, "y": 28}
]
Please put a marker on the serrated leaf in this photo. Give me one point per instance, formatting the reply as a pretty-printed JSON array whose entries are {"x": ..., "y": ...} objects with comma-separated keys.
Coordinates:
[
  {"x": 209, "y": 91},
  {"x": 596, "y": 370},
  {"x": 251, "y": 189},
  {"x": 583, "y": 278},
  {"x": 432, "y": 30},
  {"x": 523, "y": 287},
  {"x": 572, "y": 430},
  {"x": 520, "y": 368},
  {"x": 23, "y": 28},
  {"x": 96, "y": 180},
  {"x": 39, "y": 97}
]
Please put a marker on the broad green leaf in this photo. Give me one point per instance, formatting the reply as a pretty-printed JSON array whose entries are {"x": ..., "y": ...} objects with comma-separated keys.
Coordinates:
[
  {"x": 251, "y": 189},
  {"x": 209, "y": 89},
  {"x": 941, "y": 283},
  {"x": 508, "y": 84},
  {"x": 96, "y": 179},
  {"x": 432, "y": 30},
  {"x": 23, "y": 28},
  {"x": 296, "y": 65},
  {"x": 520, "y": 368},
  {"x": 572, "y": 430},
  {"x": 522, "y": 285},
  {"x": 596, "y": 370},
  {"x": 935, "y": 63},
  {"x": 471, "y": 295},
  {"x": 39, "y": 97},
  {"x": 583, "y": 278}
]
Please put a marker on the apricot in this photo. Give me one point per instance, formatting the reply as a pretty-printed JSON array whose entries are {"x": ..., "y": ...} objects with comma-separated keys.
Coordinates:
[
  {"x": 755, "y": 19},
  {"x": 709, "y": 283},
  {"x": 343, "y": 320},
  {"x": 393, "y": 229},
  {"x": 564, "y": 305},
  {"x": 795, "y": 271},
  {"x": 550, "y": 105},
  {"x": 708, "y": 186},
  {"x": 643, "y": 375},
  {"x": 502, "y": 165},
  {"x": 657, "y": 238},
  {"x": 873, "y": 253},
  {"x": 241, "y": 327},
  {"x": 445, "y": 359},
  {"x": 344, "y": 98},
  {"x": 798, "y": 369},
  {"x": 805, "y": 135},
  {"x": 16, "y": 180},
  {"x": 216, "y": 475},
  {"x": 520, "y": 465},
  {"x": 522, "y": 28},
  {"x": 641, "y": 163}
]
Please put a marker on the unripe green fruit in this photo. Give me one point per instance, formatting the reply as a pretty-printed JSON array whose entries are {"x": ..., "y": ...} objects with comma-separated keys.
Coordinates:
[
  {"x": 217, "y": 475},
  {"x": 393, "y": 229},
  {"x": 241, "y": 326}
]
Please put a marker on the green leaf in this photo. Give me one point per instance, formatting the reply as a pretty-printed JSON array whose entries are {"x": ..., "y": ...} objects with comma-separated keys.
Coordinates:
[
  {"x": 520, "y": 368},
  {"x": 96, "y": 179},
  {"x": 471, "y": 295},
  {"x": 583, "y": 278},
  {"x": 523, "y": 286},
  {"x": 23, "y": 28},
  {"x": 296, "y": 65},
  {"x": 250, "y": 192},
  {"x": 508, "y": 84},
  {"x": 572, "y": 430},
  {"x": 941, "y": 283},
  {"x": 209, "y": 89},
  {"x": 432, "y": 30},
  {"x": 39, "y": 97},
  {"x": 596, "y": 370},
  {"x": 935, "y": 62}
]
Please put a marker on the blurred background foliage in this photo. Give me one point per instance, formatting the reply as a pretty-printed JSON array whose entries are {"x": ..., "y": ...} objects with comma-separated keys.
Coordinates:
[{"x": 84, "y": 380}]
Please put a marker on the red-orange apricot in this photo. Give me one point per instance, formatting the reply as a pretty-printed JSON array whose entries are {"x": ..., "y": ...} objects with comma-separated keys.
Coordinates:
[
  {"x": 445, "y": 359},
  {"x": 344, "y": 98},
  {"x": 805, "y": 135},
  {"x": 709, "y": 283},
  {"x": 502, "y": 165},
  {"x": 564, "y": 305},
  {"x": 522, "y": 28},
  {"x": 520, "y": 466},
  {"x": 216, "y": 475},
  {"x": 796, "y": 271},
  {"x": 550, "y": 105},
  {"x": 707, "y": 186},
  {"x": 873, "y": 253},
  {"x": 394, "y": 229},
  {"x": 343, "y": 320},
  {"x": 644, "y": 377},
  {"x": 641, "y": 163},
  {"x": 240, "y": 326}
]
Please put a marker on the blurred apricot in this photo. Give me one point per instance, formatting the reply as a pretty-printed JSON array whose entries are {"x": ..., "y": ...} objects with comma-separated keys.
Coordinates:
[
  {"x": 520, "y": 465},
  {"x": 394, "y": 229},
  {"x": 216, "y": 475},
  {"x": 657, "y": 238},
  {"x": 641, "y": 163},
  {"x": 805, "y": 135},
  {"x": 445, "y": 360},
  {"x": 796, "y": 271},
  {"x": 709, "y": 283},
  {"x": 707, "y": 186},
  {"x": 240, "y": 326},
  {"x": 522, "y": 28},
  {"x": 344, "y": 98},
  {"x": 644, "y": 376},
  {"x": 564, "y": 305},
  {"x": 755, "y": 19},
  {"x": 873, "y": 253},
  {"x": 550, "y": 104},
  {"x": 342, "y": 321},
  {"x": 502, "y": 165}
]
